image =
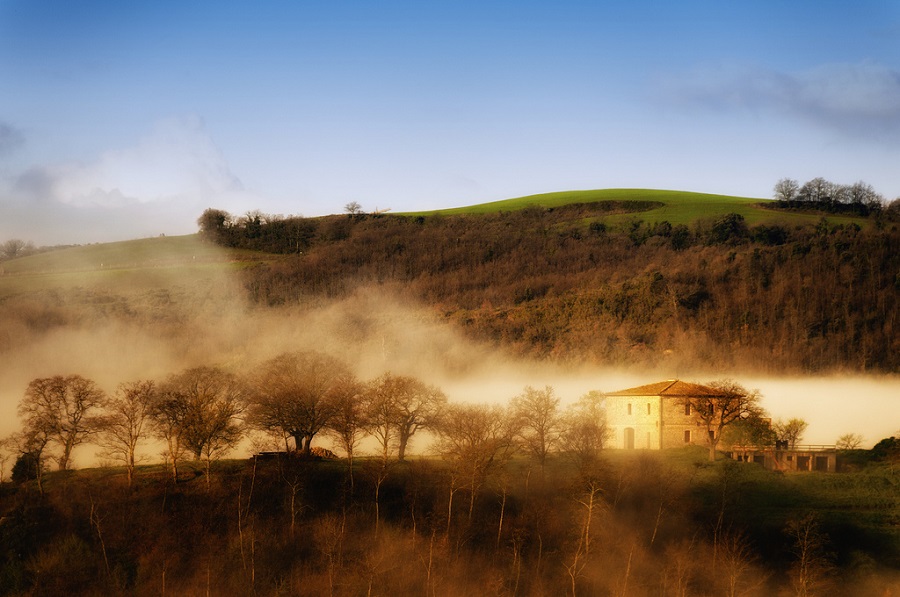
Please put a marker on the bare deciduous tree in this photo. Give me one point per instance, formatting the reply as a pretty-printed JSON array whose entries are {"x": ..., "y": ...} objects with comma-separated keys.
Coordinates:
[
  {"x": 474, "y": 439},
  {"x": 353, "y": 208},
  {"x": 400, "y": 406},
  {"x": 735, "y": 565},
  {"x": 816, "y": 190},
  {"x": 168, "y": 415},
  {"x": 15, "y": 247},
  {"x": 728, "y": 403},
  {"x": 295, "y": 393},
  {"x": 63, "y": 409},
  {"x": 199, "y": 409},
  {"x": 349, "y": 419},
  {"x": 813, "y": 565},
  {"x": 381, "y": 415},
  {"x": 786, "y": 189},
  {"x": 584, "y": 430},
  {"x": 849, "y": 441},
  {"x": 790, "y": 431},
  {"x": 538, "y": 422},
  {"x": 122, "y": 425}
]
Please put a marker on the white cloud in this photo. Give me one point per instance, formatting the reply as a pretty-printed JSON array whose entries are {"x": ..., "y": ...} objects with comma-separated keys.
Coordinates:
[
  {"x": 856, "y": 99},
  {"x": 160, "y": 184},
  {"x": 847, "y": 91},
  {"x": 177, "y": 159}
]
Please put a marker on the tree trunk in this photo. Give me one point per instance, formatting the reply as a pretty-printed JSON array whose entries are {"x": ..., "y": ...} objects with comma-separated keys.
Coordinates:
[
  {"x": 307, "y": 444},
  {"x": 350, "y": 467},
  {"x": 450, "y": 508},
  {"x": 500, "y": 525},
  {"x": 130, "y": 468},
  {"x": 40, "y": 475},
  {"x": 404, "y": 436},
  {"x": 713, "y": 443},
  {"x": 63, "y": 462}
]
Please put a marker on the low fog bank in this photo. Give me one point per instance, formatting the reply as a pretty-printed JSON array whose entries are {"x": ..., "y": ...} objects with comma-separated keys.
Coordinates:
[
  {"x": 834, "y": 405},
  {"x": 210, "y": 323}
]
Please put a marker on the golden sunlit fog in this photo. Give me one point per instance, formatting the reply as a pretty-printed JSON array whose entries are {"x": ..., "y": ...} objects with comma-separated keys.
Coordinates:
[{"x": 158, "y": 321}]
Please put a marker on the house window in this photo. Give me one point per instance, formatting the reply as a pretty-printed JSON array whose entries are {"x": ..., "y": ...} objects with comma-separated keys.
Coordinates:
[
  {"x": 629, "y": 408},
  {"x": 687, "y": 409},
  {"x": 648, "y": 408},
  {"x": 687, "y": 436}
]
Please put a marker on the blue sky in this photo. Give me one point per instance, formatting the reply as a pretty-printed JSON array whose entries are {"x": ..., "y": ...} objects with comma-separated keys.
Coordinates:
[{"x": 126, "y": 119}]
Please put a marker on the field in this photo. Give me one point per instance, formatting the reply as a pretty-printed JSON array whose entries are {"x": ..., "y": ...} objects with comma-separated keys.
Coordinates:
[
  {"x": 127, "y": 266},
  {"x": 679, "y": 207}
]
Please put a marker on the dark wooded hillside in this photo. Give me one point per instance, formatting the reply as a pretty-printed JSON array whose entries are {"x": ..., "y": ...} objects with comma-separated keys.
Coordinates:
[{"x": 564, "y": 284}]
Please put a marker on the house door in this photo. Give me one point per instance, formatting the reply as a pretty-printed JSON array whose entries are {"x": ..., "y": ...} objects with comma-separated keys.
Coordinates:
[{"x": 629, "y": 438}]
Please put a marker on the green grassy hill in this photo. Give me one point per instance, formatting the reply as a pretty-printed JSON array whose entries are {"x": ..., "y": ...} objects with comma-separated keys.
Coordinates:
[{"x": 678, "y": 207}]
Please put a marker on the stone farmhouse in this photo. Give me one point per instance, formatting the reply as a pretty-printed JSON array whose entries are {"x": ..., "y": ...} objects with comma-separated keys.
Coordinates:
[
  {"x": 658, "y": 416},
  {"x": 655, "y": 416}
]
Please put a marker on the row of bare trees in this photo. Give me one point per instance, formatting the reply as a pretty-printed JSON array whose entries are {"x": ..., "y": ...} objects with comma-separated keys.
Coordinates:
[
  {"x": 820, "y": 190},
  {"x": 205, "y": 412},
  {"x": 859, "y": 198}
]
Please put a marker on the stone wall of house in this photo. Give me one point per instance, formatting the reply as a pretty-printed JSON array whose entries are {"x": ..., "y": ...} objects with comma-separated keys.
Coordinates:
[
  {"x": 633, "y": 421},
  {"x": 651, "y": 422},
  {"x": 680, "y": 428}
]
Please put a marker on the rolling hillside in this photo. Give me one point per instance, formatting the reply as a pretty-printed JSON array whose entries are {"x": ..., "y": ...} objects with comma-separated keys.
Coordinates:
[
  {"x": 607, "y": 277},
  {"x": 625, "y": 277},
  {"x": 675, "y": 207},
  {"x": 622, "y": 205},
  {"x": 125, "y": 266}
]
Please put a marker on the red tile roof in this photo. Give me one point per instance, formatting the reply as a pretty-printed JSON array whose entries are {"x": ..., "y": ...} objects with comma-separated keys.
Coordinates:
[{"x": 671, "y": 388}]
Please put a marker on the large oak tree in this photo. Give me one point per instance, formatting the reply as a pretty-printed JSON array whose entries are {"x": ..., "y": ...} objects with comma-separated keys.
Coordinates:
[{"x": 296, "y": 395}]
